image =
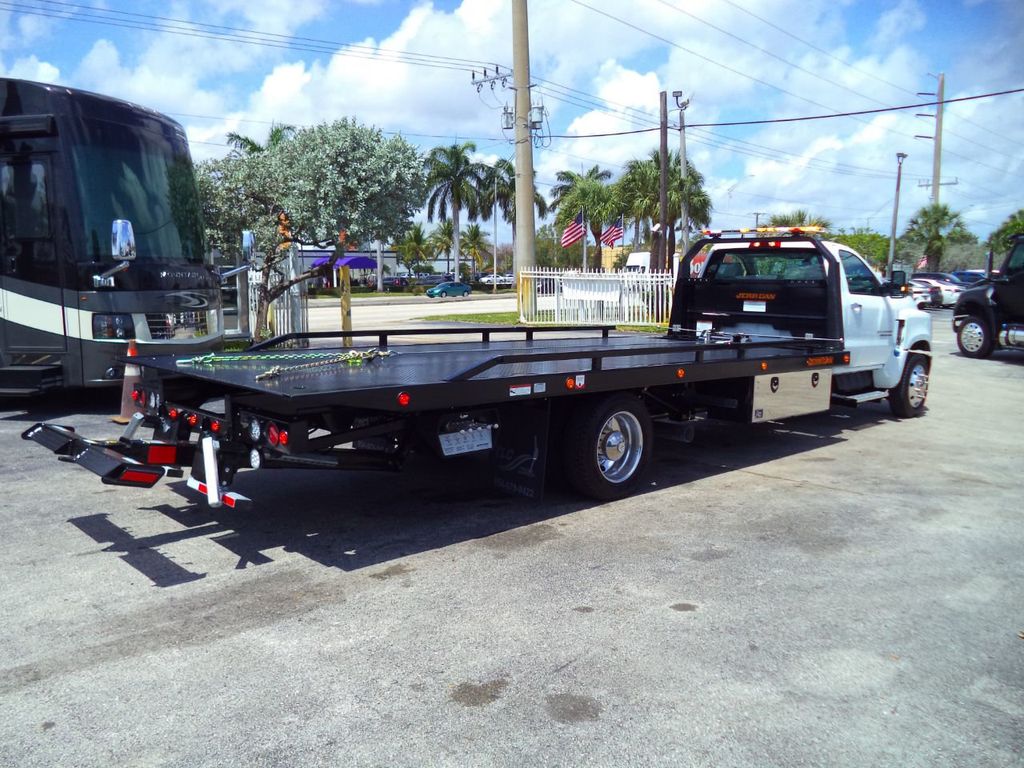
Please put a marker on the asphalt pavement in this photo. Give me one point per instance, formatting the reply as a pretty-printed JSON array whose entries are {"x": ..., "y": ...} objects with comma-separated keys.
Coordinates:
[{"x": 842, "y": 589}]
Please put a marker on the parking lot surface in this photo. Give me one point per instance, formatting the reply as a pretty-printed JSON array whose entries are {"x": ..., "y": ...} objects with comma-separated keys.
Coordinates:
[{"x": 836, "y": 590}]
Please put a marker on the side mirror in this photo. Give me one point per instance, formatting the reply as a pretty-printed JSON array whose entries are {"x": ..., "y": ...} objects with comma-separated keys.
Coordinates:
[
  {"x": 122, "y": 240},
  {"x": 248, "y": 245},
  {"x": 899, "y": 277}
]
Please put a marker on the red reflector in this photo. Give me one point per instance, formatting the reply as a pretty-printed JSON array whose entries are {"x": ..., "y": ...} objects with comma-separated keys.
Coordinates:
[
  {"x": 172, "y": 413},
  {"x": 284, "y": 437},
  {"x": 140, "y": 477},
  {"x": 137, "y": 395},
  {"x": 215, "y": 426},
  {"x": 403, "y": 399},
  {"x": 161, "y": 454},
  {"x": 273, "y": 434},
  {"x": 192, "y": 419}
]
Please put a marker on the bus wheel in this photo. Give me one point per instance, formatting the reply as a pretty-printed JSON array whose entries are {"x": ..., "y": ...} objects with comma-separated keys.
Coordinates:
[
  {"x": 607, "y": 446},
  {"x": 907, "y": 398}
]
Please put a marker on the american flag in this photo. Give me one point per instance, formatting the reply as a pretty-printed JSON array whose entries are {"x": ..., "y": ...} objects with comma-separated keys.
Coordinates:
[
  {"x": 612, "y": 233},
  {"x": 574, "y": 232}
]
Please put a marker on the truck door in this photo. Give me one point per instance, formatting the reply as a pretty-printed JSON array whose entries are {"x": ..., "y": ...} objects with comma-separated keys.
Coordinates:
[
  {"x": 31, "y": 296},
  {"x": 1009, "y": 295},
  {"x": 867, "y": 315}
]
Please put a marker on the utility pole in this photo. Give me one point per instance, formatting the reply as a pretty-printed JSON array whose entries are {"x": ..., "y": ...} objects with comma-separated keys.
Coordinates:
[
  {"x": 525, "y": 254},
  {"x": 684, "y": 179},
  {"x": 936, "y": 182},
  {"x": 663, "y": 254},
  {"x": 757, "y": 217},
  {"x": 494, "y": 244},
  {"x": 900, "y": 157}
]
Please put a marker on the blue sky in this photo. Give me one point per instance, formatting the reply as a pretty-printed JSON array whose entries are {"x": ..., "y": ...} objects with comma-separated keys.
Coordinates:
[{"x": 598, "y": 66}]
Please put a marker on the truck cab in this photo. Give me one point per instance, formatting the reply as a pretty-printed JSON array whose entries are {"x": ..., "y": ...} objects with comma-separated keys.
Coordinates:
[
  {"x": 785, "y": 284},
  {"x": 990, "y": 314}
]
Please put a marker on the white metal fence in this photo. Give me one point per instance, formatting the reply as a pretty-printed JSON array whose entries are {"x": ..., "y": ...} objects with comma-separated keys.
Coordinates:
[
  {"x": 595, "y": 298},
  {"x": 289, "y": 313}
]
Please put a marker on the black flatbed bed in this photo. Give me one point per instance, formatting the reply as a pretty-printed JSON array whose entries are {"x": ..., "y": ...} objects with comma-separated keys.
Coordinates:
[{"x": 481, "y": 370}]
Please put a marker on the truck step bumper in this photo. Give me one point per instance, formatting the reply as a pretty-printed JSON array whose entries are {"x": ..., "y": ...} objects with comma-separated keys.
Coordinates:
[{"x": 99, "y": 457}]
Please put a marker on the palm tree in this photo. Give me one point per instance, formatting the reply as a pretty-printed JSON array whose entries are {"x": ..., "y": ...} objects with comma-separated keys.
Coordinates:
[
  {"x": 244, "y": 145},
  {"x": 442, "y": 239},
  {"x": 415, "y": 248},
  {"x": 799, "y": 218},
  {"x": 933, "y": 228},
  {"x": 455, "y": 182},
  {"x": 476, "y": 244},
  {"x": 999, "y": 241},
  {"x": 639, "y": 195},
  {"x": 506, "y": 193},
  {"x": 585, "y": 192}
]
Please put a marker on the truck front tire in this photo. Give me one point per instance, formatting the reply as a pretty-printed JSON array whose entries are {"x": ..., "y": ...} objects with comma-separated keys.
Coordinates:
[
  {"x": 607, "y": 446},
  {"x": 974, "y": 337},
  {"x": 907, "y": 399}
]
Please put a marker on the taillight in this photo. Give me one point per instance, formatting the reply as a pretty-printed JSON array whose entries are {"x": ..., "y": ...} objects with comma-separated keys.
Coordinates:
[
  {"x": 138, "y": 395},
  {"x": 172, "y": 413},
  {"x": 284, "y": 437},
  {"x": 273, "y": 434},
  {"x": 404, "y": 399},
  {"x": 192, "y": 419},
  {"x": 215, "y": 426},
  {"x": 161, "y": 454}
]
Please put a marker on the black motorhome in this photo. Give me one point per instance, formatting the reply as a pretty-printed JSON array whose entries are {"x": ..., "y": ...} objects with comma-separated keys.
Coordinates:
[{"x": 102, "y": 239}]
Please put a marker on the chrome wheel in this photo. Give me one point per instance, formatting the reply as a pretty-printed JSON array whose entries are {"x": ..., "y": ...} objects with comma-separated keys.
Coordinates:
[
  {"x": 917, "y": 385},
  {"x": 972, "y": 336},
  {"x": 620, "y": 446}
]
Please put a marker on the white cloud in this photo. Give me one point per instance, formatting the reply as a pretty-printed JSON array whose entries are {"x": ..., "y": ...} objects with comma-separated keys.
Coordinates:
[{"x": 31, "y": 68}]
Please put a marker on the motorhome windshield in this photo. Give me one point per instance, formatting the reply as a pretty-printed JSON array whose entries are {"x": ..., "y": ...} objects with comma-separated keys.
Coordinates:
[{"x": 144, "y": 177}]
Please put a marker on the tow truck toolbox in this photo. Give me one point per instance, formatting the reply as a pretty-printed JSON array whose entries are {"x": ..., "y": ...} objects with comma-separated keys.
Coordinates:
[{"x": 765, "y": 324}]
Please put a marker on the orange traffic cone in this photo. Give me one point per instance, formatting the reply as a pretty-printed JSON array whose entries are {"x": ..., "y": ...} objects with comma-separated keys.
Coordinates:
[{"x": 132, "y": 376}]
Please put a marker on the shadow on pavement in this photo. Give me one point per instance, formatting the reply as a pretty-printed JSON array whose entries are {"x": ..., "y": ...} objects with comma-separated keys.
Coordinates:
[{"x": 352, "y": 521}]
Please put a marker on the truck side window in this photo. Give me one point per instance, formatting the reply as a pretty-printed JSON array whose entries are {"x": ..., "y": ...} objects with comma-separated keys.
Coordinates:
[
  {"x": 859, "y": 278},
  {"x": 1015, "y": 263}
]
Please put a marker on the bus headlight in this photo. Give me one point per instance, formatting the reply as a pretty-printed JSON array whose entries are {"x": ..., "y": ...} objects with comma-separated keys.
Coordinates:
[{"x": 113, "y": 327}]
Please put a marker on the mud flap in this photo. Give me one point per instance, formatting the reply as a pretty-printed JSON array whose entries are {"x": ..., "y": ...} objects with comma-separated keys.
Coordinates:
[{"x": 521, "y": 448}]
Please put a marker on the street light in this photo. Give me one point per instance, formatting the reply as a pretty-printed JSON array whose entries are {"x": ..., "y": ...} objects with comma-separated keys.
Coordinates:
[
  {"x": 684, "y": 229},
  {"x": 900, "y": 157}
]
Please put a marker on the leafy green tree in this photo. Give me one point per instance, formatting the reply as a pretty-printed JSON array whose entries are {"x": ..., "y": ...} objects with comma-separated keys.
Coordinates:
[
  {"x": 454, "y": 182},
  {"x": 799, "y": 218},
  {"x": 870, "y": 244},
  {"x": 415, "y": 248},
  {"x": 934, "y": 228},
  {"x": 999, "y": 241},
  {"x": 477, "y": 246},
  {"x": 334, "y": 177}
]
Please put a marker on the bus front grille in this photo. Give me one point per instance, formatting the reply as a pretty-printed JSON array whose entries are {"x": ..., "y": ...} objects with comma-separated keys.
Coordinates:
[{"x": 177, "y": 325}]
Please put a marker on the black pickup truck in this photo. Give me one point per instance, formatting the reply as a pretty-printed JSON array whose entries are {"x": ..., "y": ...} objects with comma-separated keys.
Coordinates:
[{"x": 990, "y": 314}]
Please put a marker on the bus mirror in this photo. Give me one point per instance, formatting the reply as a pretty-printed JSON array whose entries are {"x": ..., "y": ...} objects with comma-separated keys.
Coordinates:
[
  {"x": 248, "y": 245},
  {"x": 122, "y": 240}
]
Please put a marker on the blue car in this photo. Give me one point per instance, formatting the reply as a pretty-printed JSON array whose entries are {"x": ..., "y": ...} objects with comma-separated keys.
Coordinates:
[{"x": 449, "y": 289}]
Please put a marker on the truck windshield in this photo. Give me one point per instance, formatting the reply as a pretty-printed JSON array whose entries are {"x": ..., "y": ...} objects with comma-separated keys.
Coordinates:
[{"x": 126, "y": 172}]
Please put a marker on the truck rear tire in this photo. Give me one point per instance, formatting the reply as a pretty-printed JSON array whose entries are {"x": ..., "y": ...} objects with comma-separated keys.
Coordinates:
[
  {"x": 607, "y": 446},
  {"x": 907, "y": 399},
  {"x": 974, "y": 337}
]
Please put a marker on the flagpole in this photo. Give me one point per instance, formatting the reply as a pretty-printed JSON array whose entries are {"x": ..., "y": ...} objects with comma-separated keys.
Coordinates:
[{"x": 584, "y": 217}]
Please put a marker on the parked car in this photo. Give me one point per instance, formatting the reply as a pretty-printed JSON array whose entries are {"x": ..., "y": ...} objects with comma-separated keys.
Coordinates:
[
  {"x": 449, "y": 289},
  {"x": 969, "y": 276},
  {"x": 925, "y": 295},
  {"x": 950, "y": 291},
  {"x": 426, "y": 279},
  {"x": 396, "y": 282},
  {"x": 947, "y": 277}
]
